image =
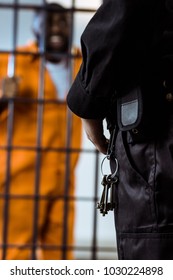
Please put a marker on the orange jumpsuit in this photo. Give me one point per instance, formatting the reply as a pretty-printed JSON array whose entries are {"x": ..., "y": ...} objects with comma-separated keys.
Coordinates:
[{"x": 22, "y": 167}]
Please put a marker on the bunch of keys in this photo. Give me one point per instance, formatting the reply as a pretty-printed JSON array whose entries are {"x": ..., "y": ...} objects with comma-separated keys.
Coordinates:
[{"x": 108, "y": 200}]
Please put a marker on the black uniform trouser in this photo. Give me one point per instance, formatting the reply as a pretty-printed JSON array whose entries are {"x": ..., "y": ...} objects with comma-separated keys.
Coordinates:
[{"x": 144, "y": 214}]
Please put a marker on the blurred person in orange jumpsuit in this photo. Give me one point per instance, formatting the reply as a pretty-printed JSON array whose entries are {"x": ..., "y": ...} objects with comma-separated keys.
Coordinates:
[{"x": 32, "y": 173}]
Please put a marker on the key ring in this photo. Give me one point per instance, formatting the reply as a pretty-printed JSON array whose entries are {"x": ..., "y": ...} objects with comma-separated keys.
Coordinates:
[{"x": 116, "y": 169}]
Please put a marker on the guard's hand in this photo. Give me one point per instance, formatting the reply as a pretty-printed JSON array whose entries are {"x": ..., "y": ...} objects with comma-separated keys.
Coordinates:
[
  {"x": 9, "y": 87},
  {"x": 94, "y": 131}
]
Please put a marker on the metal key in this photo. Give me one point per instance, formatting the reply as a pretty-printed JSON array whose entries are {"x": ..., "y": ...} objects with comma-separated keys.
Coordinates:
[
  {"x": 101, "y": 204},
  {"x": 113, "y": 181},
  {"x": 106, "y": 196}
]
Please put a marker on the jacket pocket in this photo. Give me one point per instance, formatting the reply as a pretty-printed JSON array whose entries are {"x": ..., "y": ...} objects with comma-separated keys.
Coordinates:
[
  {"x": 140, "y": 159},
  {"x": 145, "y": 246},
  {"x": 136, "y": 207}
]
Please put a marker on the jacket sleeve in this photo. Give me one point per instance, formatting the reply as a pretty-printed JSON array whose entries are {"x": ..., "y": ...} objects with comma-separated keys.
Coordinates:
[{"x": 104, "y": 43}]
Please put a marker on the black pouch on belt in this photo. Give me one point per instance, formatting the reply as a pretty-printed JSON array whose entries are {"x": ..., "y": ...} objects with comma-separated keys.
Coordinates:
[{"x": 140, "y": 114}]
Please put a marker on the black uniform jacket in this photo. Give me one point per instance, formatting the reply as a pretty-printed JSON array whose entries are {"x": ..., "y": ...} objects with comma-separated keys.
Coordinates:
[{"x": 122, "y": 46}]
